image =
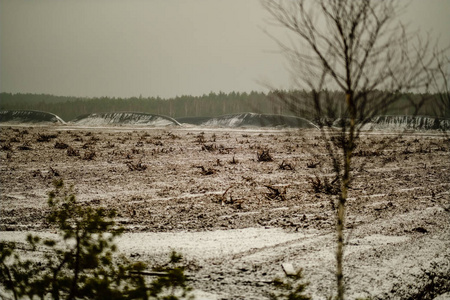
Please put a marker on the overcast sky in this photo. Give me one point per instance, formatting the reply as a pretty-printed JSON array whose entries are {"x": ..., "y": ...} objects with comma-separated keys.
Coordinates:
[{"x": 163, "y": 48}]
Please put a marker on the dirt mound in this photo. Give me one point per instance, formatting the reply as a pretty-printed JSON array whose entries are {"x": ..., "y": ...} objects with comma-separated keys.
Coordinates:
[
  {"x": 122, "y": 118},
  {"x": 28, "y": 116},
  {"x": 259, "y": 120},
  {"x": 410, "y": 122}
]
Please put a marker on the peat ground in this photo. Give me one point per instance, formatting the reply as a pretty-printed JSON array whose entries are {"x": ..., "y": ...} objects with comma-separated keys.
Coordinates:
[{"x": 206, "y": 193}]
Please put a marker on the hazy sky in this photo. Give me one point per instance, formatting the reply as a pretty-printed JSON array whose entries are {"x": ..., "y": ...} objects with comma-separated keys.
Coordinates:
[{"x": 160, "y": 48}]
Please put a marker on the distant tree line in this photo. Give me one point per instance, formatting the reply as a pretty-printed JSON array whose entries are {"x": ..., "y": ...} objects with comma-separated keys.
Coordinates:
[{"x": 207, "y": 105}]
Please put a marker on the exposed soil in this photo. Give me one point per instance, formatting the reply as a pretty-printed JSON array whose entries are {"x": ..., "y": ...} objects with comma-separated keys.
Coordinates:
[{"x": 236, "y": 219}]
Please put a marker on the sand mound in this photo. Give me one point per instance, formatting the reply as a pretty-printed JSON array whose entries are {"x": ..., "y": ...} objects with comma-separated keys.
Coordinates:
[
  {"x": 125, "y": 118},
  {"x": 28, "y": 116},
  {"x": 258, "y": 120},
  {"x": 409, "y": 122}
]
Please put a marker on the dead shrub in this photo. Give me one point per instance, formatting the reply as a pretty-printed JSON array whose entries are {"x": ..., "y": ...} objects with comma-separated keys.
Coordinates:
[
  {"x": 173, "y": 136},
  {"x": 89, "y": 155},
  {"x": 275, "y": 193},
  {"x": 37, "y": 173},
  {"x": 234, "y": 161},
  {"x": 87, "y": 145},
  {"x": 72, "y": 152},
  {"x": 210, "y": 147},
  {"x": 367, "y": 153},
  {"x": 25, "y": 146},
  {"x": 7, "y": 147},
  {"x": 54, "y": 172},
  {"x": 61, "y": 145},
  {"x": 224, "y": 150},
  {"x": 200, "y": 138},
  {"x": 407, "y": 151},
  {"x": 424, "y": 149},
  {"x": 206, "y": 171},
  {"x": 312, "y": 165},
  {"x": 167, "y": 150},
  {"x": 389, "y": 159},
  {"x": 46, "y": 137},
  {"x": 94, "y": 139},
  {"x": 224, "y": 199},
  {"x": 286, "y": 166},
  {"x": 136, "y": 166},
  {"x": 324, "y": 186},
  {"x": 109, "y": 145},
  {"x": 264, "y": 155}
]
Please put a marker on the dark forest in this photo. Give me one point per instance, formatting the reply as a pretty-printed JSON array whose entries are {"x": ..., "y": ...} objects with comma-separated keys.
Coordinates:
[{"x": 207, "y": 105}]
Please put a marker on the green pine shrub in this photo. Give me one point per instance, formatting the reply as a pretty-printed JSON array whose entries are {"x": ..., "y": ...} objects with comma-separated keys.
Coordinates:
[{"x": 81, "y": 263}]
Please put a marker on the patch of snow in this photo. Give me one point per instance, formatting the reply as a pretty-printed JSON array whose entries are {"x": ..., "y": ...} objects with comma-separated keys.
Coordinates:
[
  {"x": 258, "y": 120},
  {"x": 124, "y": 118},
  {"x": 29, "y": 116},
  {"x": 203, "y": 245},
  {"x": 408, "y": 122}
]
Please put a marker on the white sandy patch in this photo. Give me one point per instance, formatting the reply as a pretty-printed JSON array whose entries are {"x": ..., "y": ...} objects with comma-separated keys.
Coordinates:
[{"x": 204, "y": 245}]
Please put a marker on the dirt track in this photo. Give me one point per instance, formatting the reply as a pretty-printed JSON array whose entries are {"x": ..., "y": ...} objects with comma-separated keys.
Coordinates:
[{"x": 204, "y": 192}]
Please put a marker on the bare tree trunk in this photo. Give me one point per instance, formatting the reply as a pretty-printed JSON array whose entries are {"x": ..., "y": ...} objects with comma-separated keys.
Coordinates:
[
  {"x": 358, "y": 48},
  {"x": 340, "y": 246},
  {"x": 74, "y": 288}
]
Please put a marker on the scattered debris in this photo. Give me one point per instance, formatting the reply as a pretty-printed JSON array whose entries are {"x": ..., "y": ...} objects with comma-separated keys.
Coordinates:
[
  {"x": 25, "y": 146},
  {"x": 210, "y": 147},
  {"x": 264, "y": 155},
  {"x": 367, "y": 153},
  {"x": 54, "y": 172},
  {"x": 89, "y": 155},
  {"x": 224, "y": 150},
  {"x": 275, "y": 193},
  {"x": 286, "y": 166},
  {"x": 61, "y": 145},
  {"x": 37, "y": 173},
  {"x": 312, "y": 165},
  {"x": 72, "y": 152},
  {"x": 205, "y": 171},
  {"x": 200, "y": 138},
  {"x": 233, "y": 161},
  {"x": 7, "y": 147},
  {"x": 420, "y": 230},
  {"x": 136, "y": 167},
  {"x": 46, "y": 137},
  {"x": 324, "y": 186}
]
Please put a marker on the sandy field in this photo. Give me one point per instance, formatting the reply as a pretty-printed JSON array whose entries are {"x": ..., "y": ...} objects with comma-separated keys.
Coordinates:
[{"x": 204, "y": 193}]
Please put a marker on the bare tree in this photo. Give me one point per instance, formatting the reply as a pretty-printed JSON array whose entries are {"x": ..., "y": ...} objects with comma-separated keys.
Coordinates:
[
  {"x": 362, "y": 50},
  {"x": 440, "y": 83}
]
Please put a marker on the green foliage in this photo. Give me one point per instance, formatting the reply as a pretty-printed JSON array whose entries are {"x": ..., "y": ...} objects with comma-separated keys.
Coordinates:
[
  {"x": 172, "y": 283},
  {"x": 290, "y": 288},
  {"x": 80, "y": 263}
]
